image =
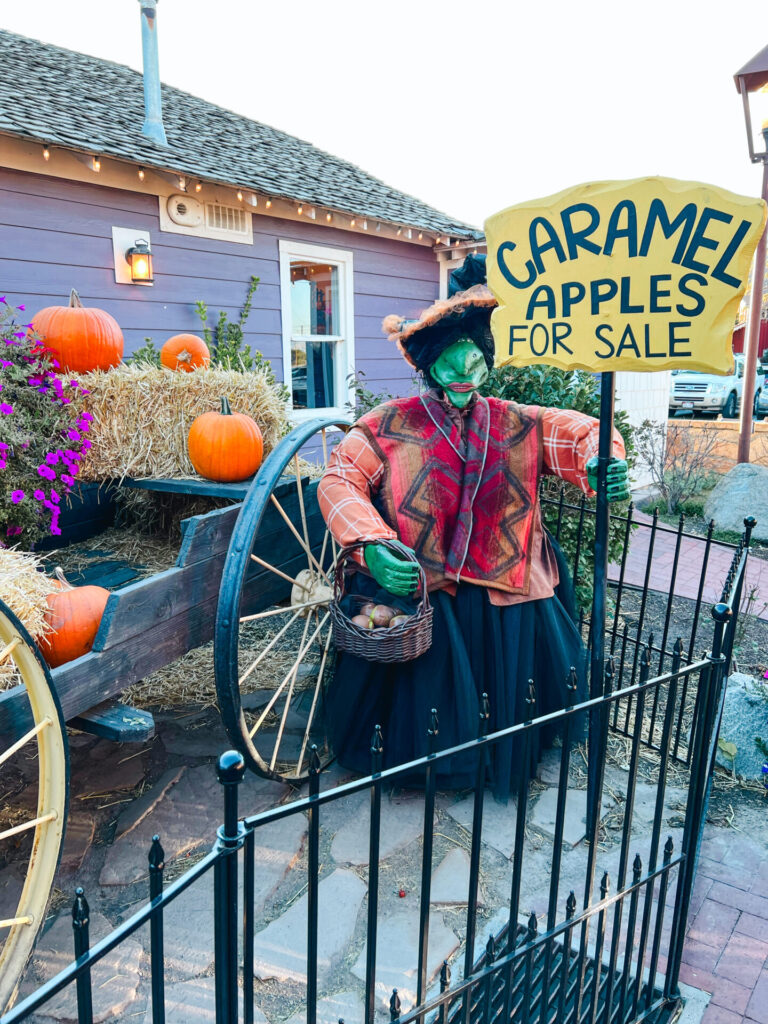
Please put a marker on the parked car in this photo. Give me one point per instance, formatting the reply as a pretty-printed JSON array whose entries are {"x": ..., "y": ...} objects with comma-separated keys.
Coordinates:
[
  {"x": 712, "y": 393},
  {"x": 761, "y": 404}
]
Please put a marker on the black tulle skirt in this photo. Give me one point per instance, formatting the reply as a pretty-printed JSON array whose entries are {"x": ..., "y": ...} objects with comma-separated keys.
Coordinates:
[{"x": 476, "y": 648}]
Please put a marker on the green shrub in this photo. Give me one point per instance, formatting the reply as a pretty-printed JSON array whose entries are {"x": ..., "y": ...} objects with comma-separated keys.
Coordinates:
[{"x": 578, "y": 390}]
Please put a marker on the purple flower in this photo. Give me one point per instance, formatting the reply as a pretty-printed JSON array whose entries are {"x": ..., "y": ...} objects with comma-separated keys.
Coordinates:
[
  {"x": 86, "y": 445},
  {"x": 21, "y": 307},
  {"x": 52, "y": 458},
  {"x": 72, "y": 434},
  {"x": 54, "y": 495},
  {"x": 55, "y": 529},
  {"x": 5, "y": 408},
  {"x": 17, "y": 496},
  {"x": 13, "y": 531},
  {"x": 66, "y": 479},
  {"x": 39, "y": 495},
  {"x": 46, "y": 473}
]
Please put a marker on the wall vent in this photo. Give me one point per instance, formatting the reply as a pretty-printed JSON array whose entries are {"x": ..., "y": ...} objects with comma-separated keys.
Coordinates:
[{"x": 226, "y": 218}]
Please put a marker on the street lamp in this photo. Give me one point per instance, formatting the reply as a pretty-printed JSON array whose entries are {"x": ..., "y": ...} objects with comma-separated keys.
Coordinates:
[{"x": 752, "y": 78}]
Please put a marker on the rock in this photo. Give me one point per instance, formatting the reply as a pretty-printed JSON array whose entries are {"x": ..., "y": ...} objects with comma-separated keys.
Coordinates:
[
  {"x": 450, "y": 880},
  {"x": 745, "y": 716},
  {"x": 743, "y": 491},
  {"x": 186, "y": 816},
  {"x": 196, "y": 1001},
  {"x": 280, "y": 950},
  {"x": 189, "y": 919},
  {"x": 645, "y": 803},
  {"x": 402, "y": 821},
  {"x": 138, "y": 809},
  {"x": 397, "y": 953},
  {"x": 498, "y": 821},
  {"x": 346, "y": 1006},
  {"x": 77, "y": 841},
  {"x": 115, "y": 978},
  {"x": 545, "y": 808}
]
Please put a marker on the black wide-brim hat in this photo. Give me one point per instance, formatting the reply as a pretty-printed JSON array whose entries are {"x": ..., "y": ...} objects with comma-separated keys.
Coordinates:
[{"x": 464, "y": 314}]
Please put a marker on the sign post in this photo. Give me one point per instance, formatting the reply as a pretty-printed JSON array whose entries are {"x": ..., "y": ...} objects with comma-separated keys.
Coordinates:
[{"x": 637, "y": 275}]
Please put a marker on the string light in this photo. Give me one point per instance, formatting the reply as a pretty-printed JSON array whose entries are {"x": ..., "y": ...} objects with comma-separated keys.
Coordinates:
[
  {"x": 96, "y": 164},
  {"x": 399, "y": 231},
  {"x": 421, "y": 235},
  {"x": 365, "y": 225},
  {"x": 300, "y": 210},
  {"x": 46, "y": 153},
  {"x": 182, "y": 183},
  {"x": 329, "y": 217},
  {"x": 199, "y": 186},
  {"x": 352, "y": 222},
  {"x": 268, "y": 203},
  {"x": 239, "y": 195},
  {"x": 141, "y": 173}
]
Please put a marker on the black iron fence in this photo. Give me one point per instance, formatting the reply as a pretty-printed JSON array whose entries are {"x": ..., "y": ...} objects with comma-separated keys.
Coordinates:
[{"x": 601, "y": 942}]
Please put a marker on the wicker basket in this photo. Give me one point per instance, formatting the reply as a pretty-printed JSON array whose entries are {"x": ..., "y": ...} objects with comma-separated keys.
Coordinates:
[{"x": 398, "y": 643}]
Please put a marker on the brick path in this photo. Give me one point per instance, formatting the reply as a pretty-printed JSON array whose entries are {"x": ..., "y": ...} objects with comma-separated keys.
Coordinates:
[
  {"x": 726, "y": 950},
  {"x": 689, "y": 566}
]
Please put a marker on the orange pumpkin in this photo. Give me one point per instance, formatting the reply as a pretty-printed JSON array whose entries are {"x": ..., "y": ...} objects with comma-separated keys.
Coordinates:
[
  {"x": 225, "y": 446},
  {"x": 81, "y": 338},
  {"x": 74, "y": 615},
  {"x": 185, "y": 352}
]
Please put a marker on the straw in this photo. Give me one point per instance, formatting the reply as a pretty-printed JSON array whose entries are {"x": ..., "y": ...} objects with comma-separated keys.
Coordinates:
[
  {"x": 24, "y": 589},
  {"x": 142, "y": 416}
]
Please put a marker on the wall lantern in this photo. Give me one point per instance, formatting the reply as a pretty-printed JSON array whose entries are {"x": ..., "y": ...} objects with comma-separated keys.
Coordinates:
[
  {"x": 753, "y": 78},
  {"x": 139, "y": 258}
]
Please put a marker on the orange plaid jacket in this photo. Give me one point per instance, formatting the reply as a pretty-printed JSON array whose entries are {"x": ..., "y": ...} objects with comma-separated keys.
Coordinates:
[{"x": 568, "y": 440}]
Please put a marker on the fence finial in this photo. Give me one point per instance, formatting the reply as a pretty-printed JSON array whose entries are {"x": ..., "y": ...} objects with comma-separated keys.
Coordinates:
[
  {"x": 394, "y": 1005},
  {"x": 570, "y": 905},
  {"x": 445, "y": 976}
]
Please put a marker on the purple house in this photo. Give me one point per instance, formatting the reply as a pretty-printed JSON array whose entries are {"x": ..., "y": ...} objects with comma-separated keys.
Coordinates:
[{"x": 93, "y": 159}]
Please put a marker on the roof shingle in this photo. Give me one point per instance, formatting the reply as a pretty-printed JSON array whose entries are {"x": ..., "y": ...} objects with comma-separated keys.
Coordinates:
[{"x": 58, "y": 96}]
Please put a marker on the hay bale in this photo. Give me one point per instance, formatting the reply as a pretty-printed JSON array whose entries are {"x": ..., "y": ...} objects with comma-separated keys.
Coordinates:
[
  {"x": 24, "y": 589},
  {"x": 142, "y": 415}
]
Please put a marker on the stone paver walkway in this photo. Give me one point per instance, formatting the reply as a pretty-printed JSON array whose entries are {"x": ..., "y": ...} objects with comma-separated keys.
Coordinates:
[
  {"x": 689, "y": 566},
  {"x": 726, "y": 953}
]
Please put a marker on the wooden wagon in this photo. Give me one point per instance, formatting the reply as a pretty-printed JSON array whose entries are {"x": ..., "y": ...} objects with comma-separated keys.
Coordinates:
[{"x": 255, "y": 578}]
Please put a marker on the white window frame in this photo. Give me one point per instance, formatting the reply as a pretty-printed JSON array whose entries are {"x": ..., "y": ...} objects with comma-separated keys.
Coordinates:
[{"x": 345, "y": 364}]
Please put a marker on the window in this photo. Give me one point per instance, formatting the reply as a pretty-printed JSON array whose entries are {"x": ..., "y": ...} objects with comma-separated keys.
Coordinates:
[{"x": 318, "y": 342}]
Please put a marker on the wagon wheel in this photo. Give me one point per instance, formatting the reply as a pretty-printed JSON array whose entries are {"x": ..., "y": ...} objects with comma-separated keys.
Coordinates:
[
  {"x": 30, "y": 839},
  {"x": 273, "y": 647}
]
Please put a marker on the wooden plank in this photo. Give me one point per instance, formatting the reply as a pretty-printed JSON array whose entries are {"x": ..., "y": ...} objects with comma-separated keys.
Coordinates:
[
  {"x": 190, "y": 485},
  {"x": 99, "y": 675},
  {"x": 117, "y": 722}
]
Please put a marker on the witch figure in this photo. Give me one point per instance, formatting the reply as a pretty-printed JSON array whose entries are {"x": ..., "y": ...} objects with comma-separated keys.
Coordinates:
[{"x": 454, "y": 476}]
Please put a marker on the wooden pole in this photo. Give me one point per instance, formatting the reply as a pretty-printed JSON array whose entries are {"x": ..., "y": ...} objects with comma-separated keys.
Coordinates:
[{"x": 753, "y": 336}]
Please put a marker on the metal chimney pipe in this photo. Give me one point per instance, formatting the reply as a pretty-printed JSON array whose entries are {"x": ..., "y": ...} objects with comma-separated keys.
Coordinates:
[{"x": 153, "y": 103}]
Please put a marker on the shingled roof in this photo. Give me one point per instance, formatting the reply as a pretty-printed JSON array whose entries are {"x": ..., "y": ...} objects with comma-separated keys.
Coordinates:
[{"x": 61, "y": 97}]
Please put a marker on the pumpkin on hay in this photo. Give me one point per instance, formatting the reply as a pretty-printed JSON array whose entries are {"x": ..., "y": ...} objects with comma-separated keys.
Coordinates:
[
  {"x": 185, "y": 352},
  {"x": 225, "y": 446},
  {"x": 81, "y": 338},
  {"x": 74, "y": 615}
]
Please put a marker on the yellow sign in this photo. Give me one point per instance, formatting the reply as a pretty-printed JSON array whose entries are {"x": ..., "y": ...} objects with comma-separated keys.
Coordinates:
[{"x": 622, "y": 275}]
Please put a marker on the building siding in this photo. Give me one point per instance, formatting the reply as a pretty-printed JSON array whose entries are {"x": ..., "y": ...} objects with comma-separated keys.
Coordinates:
[{"x": 56, "y": 235}]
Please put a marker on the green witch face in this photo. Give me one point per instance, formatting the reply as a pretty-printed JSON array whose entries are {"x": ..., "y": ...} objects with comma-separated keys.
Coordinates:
[{"x": 459, "y": 370}]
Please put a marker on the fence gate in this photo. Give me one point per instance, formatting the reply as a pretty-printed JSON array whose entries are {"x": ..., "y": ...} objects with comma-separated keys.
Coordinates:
[{"x": 598, "y": 888}]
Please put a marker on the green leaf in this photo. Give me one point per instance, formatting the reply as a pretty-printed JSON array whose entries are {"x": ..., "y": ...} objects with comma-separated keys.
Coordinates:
[{"x": 727, "y": 748}]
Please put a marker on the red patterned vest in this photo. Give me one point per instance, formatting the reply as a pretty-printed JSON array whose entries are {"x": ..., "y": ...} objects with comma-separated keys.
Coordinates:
[{"x": 467, "y": 508}]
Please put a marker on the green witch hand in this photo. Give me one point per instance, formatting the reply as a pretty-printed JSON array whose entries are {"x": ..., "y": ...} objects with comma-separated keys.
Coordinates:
[
  {"x": 618, "y": 484},
  {"x": 390, "y": 570}
]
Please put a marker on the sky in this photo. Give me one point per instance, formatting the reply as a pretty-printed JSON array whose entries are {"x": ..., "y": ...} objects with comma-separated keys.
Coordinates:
[{"x": 471, "y": 106}]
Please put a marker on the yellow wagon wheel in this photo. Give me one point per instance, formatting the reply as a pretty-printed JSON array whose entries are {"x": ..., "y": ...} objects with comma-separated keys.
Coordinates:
[{"x": 30, "y": 835}]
